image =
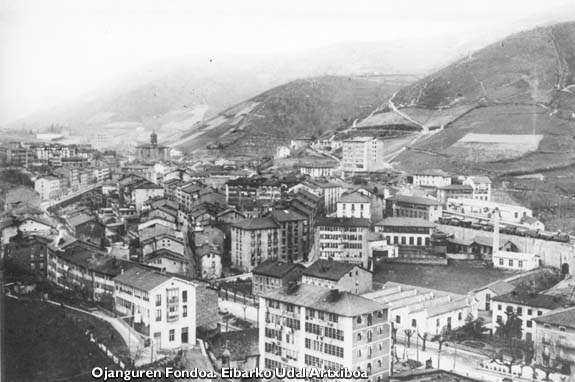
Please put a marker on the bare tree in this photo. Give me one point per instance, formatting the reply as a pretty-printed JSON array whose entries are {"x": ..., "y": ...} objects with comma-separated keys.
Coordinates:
[
  {"x": 424, "y": 339},
  {"x": 408, "y": 334}
]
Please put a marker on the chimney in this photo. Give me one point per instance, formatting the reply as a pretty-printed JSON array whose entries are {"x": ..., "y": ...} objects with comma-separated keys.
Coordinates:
[
  {"x": 496, "y": 217},
  {"x": 333, "y": 295}
]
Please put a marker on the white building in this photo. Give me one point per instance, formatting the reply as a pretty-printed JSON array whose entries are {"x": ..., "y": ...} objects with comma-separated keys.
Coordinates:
[
  {"x": 406, "y": 231},
  {"x": 432, "y": 178},
  {"x": 146, "y": 192},
  {"x": 481, "y": 187},
  {"x": 282, "y": 152},
  {"x": 48, "y": 187},
  {"x": 163, "y": 307},
  {"x": 515, "y": 260},
  {"x": 474, "y": 208},
  {"x": 422, "y": 309},
  {"x": 362, "y": 154},
  {"x": 354, "y": 205},
  {"x": 342, "y": 239},
  {"x": 318, "y": 169},
  {"x": 308, "y": 326}
]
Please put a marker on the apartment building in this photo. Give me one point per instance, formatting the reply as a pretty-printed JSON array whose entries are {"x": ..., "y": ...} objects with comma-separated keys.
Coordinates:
[
  {"x": 318, "y": 169},
  {"x": 341, "y": 276},
  {"x": 294, "y": 234},
  {"x": 342, "y": 239},
  {"x": 431, "y": 178},
  {"x": 27, "y": 254},
  {"x": 362, "y": 154},
  {"x": 354, "y": 205},
  {"x": 160, "y": 306},
  {"x": 48, "y": 187},
  {"x": 308, "y": 326},
  {"x": 406, "y": 231},
  {"x": 527, "y": 307},
  {"x": 253, "y": 241},
  {"x": 555, "y": 340},
  {"x": 423, "y": 309},
  {"x": 169, "y": 261},
  {"x": 329, "y": 191},
  {"x": 274, "y": 274},
  {"x": 414, "y": 207}
]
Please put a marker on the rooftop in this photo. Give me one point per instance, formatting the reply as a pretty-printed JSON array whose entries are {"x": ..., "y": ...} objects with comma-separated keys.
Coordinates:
[
  {"x": 286, "y": 215},
  {"x": 324, "y": 299},
  {"x": 275, "y": 268},
  {"x": 257, "y": 223},
  {"x": 536, "y": 300},
  {"x": 149, "y": 186},
  {"x": 498, "y": 287},
  {"x": 415, "y": 200},
  {"x": 142, "y": 278},
  {"x": 354, "y": 197},
  {"x": 561, "y": 317},
  {"x": 77, "y": 219},
  {"x": 405, "y": 222},
  {"x": 480, "y": 179},
  {"x": 165, "y": 253},
  {"x": 329, "y": 269},
  {"x": 433, "y": 172}
]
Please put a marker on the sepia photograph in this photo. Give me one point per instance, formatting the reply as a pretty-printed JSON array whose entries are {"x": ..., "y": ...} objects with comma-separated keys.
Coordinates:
[{"x": 305, "y": 190}]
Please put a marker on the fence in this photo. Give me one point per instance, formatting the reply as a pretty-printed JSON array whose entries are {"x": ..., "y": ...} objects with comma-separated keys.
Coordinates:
[
  {"x": 231, "y": 294},
  {"x": 106, "y": 351}
]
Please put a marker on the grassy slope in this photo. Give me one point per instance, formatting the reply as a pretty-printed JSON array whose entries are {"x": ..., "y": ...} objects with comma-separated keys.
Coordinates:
[
  {"x": 302, "y": 107},
  {"x": 44, "y": 344}
]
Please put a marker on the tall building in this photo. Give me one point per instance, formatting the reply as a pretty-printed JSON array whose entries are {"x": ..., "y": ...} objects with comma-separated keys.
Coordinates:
[
  {"x": 152, "y": 152},
  {"x": 48, "y": 187},
  {"x": 343, "y": 239},
  {"x": 254, "y": 241},
  {"x": 362, "y": 154},
  {"x": 294, "y": 234},
  {"x": 308, "y": 326}
]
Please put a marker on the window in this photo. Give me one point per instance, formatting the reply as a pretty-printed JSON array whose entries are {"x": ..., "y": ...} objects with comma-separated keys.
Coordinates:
[
  {"x": 529, "y": 323},
  {"x": 510, "y": 262},
  {"x": 172, "y": 334},
  {"x": 185, "y": 296},
  {"x": 398, "y": 319},
  {"x": 413, "y": 323},
  {"x": 359, "y": 319},
  {"x": 519, "y": 311},
  {"x": 499, "y": 307},
  {"x": 185, "y": 311},
  {"x": 539, "y": 313},
  {"x": 459, "y": 316},
  {"x": 158, "y": 300},
  {"x": 501, "y": 262},
  {"x": 158, "y": 314},
  {"x": 562, "y": 328},
  {"x": 359, "y": 336},
  {"x": 529, "y": 312}
]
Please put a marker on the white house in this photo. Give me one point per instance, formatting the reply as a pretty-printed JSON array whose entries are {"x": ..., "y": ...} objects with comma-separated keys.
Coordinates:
[
  {"x": 432, "y": 178},
  {"x": 515, "y": 260},
  {"x": 481, "y": 187},
  {"x": 48, "y": 187},
  {"x": 354, "y": 205},
  {"x": 474, "y": 208},
  {"x": 162, "y": 307}
]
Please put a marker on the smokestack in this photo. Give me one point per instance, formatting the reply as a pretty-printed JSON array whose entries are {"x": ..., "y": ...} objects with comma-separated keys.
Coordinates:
[{"x": 496, "y": 217}]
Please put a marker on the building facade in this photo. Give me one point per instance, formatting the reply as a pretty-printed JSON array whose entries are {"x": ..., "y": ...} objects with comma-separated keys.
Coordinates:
[
  {"x": 362, "y": 154},
  {"x": 253, "y": 241},
  {"x": 342, "y": 239}
]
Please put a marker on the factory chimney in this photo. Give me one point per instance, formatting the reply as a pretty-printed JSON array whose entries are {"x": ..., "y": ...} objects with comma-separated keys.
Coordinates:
[{"x": 496, "y": 217}]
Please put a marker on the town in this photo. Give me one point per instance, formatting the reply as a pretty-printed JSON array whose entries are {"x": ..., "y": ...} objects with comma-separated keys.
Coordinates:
[{"x": 322, "y": 256}]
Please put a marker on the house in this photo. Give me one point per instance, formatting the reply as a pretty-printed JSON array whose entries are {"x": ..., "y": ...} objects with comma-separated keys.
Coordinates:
[
  {"x": 86, "y": 228},
  {"x": 555, "y": 340},
  {"x": 330, "y": 191},
  {"x": 354, "y": 205},
  {"x": 300, "y": 142},
  {"x": 34, "y": 225},
  {"x": 316, "y": 169},
  {"x": 485, "y": 295},
  {"x": 342, "y": 239},
  {"x": 454, "y": 191},
  {"x": 230, "y": 216},
  {"x": 406, "y": 231},
  {"x": 167, "y": 260},
  {"x": 431, "y": 178},
  {"x": 516, "y": 260},
  {"x": 236, "y": 349},
  {"x": 48, "y": 187},
  {"x": 379, "y": 248},
  {"x": 160, "y": 306},
  {"x": 414, "y": 207},
  {"x": 209, "y": 259},
  {"x": 528, "y": 307},
  {"x": 156, "y": 221},
  {"x": 481, "y": 187},
  {"x": 308, "y": 326},
  {"x": 274, "y": 274},
  {"x": 424, "y": 310},
  {"x": 152, "y": 242},
  {"x": 27, "y": 254},
  {"x": 341, "y": 276},
  {"x": 144, "y": 192}
]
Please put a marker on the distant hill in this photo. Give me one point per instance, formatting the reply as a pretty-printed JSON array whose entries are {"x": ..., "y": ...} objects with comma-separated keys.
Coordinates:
[
  {"x": 507, "y": 110},
  {"x": 308, "y": 107}
]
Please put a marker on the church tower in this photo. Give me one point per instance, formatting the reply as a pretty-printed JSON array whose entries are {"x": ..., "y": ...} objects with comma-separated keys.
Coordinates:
[{"x": 154, "y": 138}]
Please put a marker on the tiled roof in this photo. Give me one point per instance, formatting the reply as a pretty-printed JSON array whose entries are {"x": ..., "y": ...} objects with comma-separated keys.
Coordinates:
[
  {"x": 561, "y": 317},
  {"x": 498, "y": 287},
  {"x": 415, "y": 200},
  {"x": 536, "y": 300},
  {"x": 327, "y": 300},
  {"x": 328, "y": 269},
  {"x": 286, "y": 215},
  {"x": 275, "y": 268},
  {"x": 93, "y": 260},
  {"x": 165, "y": 253},
  {"x": 480, "y": 179},
  {"x": 149, "y": 186},
  {"x": 405, "y": 222},
  {"x": 432, "y": 172},
  {"x": 354, "y": 197},
  {"x": 81, "y": 218},
  {"x": 257, "y": 223},
  {"x": 342, "y": 222},
  {"x": 142, "y": 278}
]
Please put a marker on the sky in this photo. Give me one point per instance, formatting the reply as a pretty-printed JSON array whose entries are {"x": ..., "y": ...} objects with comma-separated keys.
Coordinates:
[{"x": 52, "y": 51}]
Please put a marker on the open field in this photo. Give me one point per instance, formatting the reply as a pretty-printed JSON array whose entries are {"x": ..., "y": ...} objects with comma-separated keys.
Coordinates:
[
  {"x": 46, "y": 343},
  {"x": 456, "y": 278}
]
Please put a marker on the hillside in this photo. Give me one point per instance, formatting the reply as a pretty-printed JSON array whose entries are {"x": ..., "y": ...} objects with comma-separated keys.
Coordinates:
[
  {"x": 302, "y": 107},
  {"x": 507, "y": 110}
]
